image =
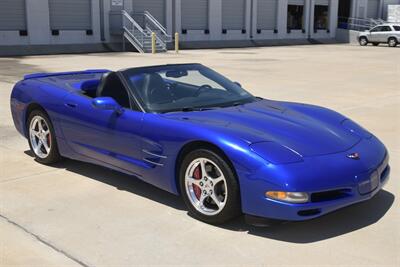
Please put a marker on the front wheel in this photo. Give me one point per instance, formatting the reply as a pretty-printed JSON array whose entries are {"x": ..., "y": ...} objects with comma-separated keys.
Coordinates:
[
  {"x": 363, "y": 41},
  {"x": 41, "y": 137},
  {"x": 392, "y": 42},
  {"x": 209, "y": 187}
]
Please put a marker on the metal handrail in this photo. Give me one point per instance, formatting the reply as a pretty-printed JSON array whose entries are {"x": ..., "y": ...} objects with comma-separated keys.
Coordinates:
[
  {"x": 151, "y": 24},
  {"x": 140, "y": 35},
  {"x": 359, "y": 24},
  {"x": 127, "y": 16},
  {"x": 134, "y": 31},
  {"x": 156, "y": 22}
]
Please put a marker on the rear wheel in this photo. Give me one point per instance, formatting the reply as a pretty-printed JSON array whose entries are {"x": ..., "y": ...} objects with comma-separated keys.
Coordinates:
[
  {"x": 363, "y": 41},
  {"x": 209, "y": 187},
  {"x": 392, "y": 42},
  {"x": 41, "y": 138}
]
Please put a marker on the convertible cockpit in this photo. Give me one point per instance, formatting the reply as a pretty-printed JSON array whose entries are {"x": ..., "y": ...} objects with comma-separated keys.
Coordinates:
[{"x": 168, "y": 88}]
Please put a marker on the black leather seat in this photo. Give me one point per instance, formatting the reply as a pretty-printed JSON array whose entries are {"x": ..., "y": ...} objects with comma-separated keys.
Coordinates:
[
  {"x": 102, "y": 83},
  {"x": 110, "y": 85},
  {"x": 155, "y": 90}
]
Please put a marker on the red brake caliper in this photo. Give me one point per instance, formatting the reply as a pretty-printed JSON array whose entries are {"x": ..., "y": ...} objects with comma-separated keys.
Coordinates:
[
  {"x": 197, "y": 176},
  {"x": 49, "y": 139}
]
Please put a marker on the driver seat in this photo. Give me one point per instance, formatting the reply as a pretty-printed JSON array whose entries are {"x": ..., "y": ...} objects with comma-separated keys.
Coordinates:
[
  {"x": 102, "y": 83},
  {"x": 155, "y": 89},
  {"x": 110, "y": 85}
]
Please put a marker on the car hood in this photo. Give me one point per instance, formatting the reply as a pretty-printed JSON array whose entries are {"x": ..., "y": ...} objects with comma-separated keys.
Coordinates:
[{"x": 308, "y": 130}]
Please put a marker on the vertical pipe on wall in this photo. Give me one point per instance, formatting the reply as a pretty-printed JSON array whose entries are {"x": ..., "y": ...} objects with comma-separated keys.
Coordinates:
[
  {"x": 251, "y": 18},
  {"x": 177, "y": 42},
  {"x": 102, "y": 35},
  {"x": 310, "y": 18}
]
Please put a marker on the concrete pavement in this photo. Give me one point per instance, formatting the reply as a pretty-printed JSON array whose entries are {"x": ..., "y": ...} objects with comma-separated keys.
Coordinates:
[{"x": 80, "y": 214}]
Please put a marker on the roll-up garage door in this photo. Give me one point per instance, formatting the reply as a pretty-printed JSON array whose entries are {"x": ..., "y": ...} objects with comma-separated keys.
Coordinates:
[
  {"x": 266, "y": 14},
  {"x": 233, "y": 14},
  {"x": 70, "y": 14},
  {"x": 194, "y": 14},
  {"x": 155, "y": 7},
  {"x": 373, "y": 9},
  {"x": 296, "y": 2},
  {"x": 322, "y": 2},
  {"x": 12, "y": 15}
]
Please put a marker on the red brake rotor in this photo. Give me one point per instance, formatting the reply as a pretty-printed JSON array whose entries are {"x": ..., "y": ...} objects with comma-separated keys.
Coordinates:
[{"x": 197, "y": 175}]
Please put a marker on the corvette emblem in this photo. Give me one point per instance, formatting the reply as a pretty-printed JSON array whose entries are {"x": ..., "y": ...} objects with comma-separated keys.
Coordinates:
[{"x": 355, "y": 156}]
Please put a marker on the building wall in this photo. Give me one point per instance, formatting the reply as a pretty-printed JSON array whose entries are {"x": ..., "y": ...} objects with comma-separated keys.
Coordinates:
[
  {"x": 215, "y": 28},
  {"x": 360, "y": 8},
  {"x": 38, "y": 27},
  {"x": 39, "y": 32},
  {"x": 386, "y": 3}
]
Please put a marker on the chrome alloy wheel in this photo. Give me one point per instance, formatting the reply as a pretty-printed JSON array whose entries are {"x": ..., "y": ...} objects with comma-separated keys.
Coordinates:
[
  {"x": 206, "y": 186},
  {"x": 363, "y": 41},
  {"x": 40, "y": 137},
  {"x": 392, "y": 42}
]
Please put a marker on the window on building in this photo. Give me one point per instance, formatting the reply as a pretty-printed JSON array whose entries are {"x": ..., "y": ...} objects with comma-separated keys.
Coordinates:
[
  {"x": 321, "y": 17},
  {"x": 295, "y": 17}
]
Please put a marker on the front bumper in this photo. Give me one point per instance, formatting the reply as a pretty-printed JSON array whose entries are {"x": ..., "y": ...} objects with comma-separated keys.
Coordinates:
[
  {"x": 355, "y": 182},
  {"x": 300, "y": 212}
]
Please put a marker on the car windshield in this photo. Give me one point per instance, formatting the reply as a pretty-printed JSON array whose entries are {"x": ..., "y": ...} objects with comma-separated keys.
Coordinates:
[{"x": 188, "y": 87}]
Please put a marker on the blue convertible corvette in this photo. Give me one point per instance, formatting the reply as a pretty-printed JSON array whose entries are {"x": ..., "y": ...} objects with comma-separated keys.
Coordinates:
[{"x": 188, "y": 130}]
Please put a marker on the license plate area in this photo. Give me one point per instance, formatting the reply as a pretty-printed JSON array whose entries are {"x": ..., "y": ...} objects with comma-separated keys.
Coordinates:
[{"x": 370, "y": 183}]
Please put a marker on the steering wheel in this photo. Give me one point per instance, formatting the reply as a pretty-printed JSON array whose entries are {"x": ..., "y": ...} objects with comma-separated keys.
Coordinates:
[{"x": 202, "y": 88}]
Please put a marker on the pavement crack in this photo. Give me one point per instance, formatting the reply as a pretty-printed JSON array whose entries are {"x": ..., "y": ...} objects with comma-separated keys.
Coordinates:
[
  {"x": 26, "y": 176},
  {"x": 46, "y": 243}
]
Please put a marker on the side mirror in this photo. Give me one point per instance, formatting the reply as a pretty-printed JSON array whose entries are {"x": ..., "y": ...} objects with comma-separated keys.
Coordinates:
[
  {"x": 238, "y": 84},
  {"x": 107, "y": 103}
]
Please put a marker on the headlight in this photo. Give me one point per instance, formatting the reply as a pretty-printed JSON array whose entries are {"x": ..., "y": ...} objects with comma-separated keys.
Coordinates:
[
  {"x": 291, "y": 197},
  {"x": 275, "y": 153},
  {"x": 356, "y": 129}
]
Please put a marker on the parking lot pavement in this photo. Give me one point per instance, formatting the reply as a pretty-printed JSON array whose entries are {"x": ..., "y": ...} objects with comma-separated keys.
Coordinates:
[{"x": 80, "y": 214}]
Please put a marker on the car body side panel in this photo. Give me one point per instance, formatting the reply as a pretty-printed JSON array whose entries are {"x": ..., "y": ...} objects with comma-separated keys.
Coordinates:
[
  {"x": 166, "y": 137},
  {"x": 103, "y": 135},
  {"x": 32, "y": 91}
]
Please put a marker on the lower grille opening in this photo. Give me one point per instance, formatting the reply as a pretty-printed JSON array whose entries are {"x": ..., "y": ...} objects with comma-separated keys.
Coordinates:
[
  {"x": 330, "y": 195},
  {"x": 310, "y": 212}
]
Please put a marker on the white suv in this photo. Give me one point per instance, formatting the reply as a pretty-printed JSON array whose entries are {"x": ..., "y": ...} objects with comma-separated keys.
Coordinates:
[{"x": 385, "y": 33}]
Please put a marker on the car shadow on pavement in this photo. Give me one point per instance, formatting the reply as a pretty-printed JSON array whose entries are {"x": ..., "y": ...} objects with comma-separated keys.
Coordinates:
[
  {"x": 120, "y": 181},
  {"x": 340, "y": 222}
]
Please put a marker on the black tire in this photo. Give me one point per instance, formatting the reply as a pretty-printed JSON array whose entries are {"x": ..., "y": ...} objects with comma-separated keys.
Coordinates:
[
  {"x": 375, "y": 44},
  {"x": 53, "y": 155},
  {"x": 232, "y": 207},
  {"x": 392, "y": 42},
  {"x": 363, "y": 41}
]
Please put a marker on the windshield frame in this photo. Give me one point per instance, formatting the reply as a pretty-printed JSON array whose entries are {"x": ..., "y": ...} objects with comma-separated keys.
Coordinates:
[{"x": 127, "y": 73}]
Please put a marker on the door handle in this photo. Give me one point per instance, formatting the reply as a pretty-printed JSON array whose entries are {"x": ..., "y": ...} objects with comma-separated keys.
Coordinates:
[{"x": 70, "y": 105}]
